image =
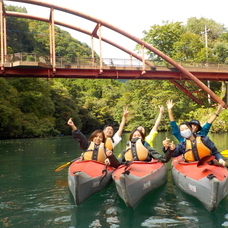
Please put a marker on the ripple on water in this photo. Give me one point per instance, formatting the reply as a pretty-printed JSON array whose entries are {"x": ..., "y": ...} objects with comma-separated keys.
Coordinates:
[
  {"x": 225, "y": 224},
  {"x": 63, "y": 219},
  {"x": 156, "y": 221},
  {"x": 4, "y": 205},
  {"x": 226, "y": 216},
  {"x": 49, "y": 208}
]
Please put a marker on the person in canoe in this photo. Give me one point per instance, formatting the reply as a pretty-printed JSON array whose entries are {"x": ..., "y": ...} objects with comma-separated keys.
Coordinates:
[
  {"x": 194, "y": 147},
  {"x": 154, "y": 131},
  {"x": 112, "y": 140},
  {"x": 138, "y": 149},
  {"x": 203, "y": 131},
  {"x": 94, "y": 148}
]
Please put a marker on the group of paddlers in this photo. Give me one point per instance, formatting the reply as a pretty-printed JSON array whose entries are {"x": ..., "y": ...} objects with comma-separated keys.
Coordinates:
[{"x": 194, "y": 143}]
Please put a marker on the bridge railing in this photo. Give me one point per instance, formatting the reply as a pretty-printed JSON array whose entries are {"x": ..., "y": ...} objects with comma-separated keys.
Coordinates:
[
  {"x": 27, "y": 57},
  {"x": 110, "y": 63},
  {"x": 202, "y": 65},
  {"x": 80, "y": 62},
  {"x": 95, "y": 63}
]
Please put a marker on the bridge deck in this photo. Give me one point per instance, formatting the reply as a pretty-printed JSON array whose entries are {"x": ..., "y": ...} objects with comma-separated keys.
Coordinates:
[{"x": 43, "y": 70}]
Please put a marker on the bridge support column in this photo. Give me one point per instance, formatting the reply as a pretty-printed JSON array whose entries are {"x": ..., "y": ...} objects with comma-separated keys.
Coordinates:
[
  {"x": 224, "y": 92},
  {"x": 3, "y": 35},
  {"x": 94, "y": 34},
  {"x": 52, "y": 40},
  {"x": 143, "y": 60},
  {"x": 226, "y": 96},
  {"x": 100, "y": 43},
  {"x": 92, "y": 46}
]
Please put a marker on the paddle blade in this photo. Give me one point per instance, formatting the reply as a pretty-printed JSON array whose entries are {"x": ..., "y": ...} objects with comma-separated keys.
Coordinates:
[
  {"x": 224, "y": 153},
  {"x": 62, "y": 166},
  {"x": 203, "y": 161}
]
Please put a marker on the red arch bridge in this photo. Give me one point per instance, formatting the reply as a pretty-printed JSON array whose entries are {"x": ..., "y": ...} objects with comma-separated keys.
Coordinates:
[{"x": 182, "y": 75}]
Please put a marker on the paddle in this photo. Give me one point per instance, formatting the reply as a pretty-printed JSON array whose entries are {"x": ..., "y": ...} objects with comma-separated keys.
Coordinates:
[
  {"x": 224, "y": 153},
  {"x": 204, "y": 161},
  {"x": 65, "y": 165},
  {"x": 208, "y": 160}
]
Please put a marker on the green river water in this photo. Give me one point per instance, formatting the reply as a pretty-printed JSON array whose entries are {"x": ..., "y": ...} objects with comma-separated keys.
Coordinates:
[{"x": 33, "y": 195}]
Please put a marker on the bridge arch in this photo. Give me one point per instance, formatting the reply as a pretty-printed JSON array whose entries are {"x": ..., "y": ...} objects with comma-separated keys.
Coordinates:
[{"x": 96, "y": 33}]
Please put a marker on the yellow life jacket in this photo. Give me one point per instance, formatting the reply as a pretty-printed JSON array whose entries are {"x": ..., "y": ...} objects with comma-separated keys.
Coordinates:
[
  {"x": 95, "y": 153},
  {"x": 136, "y": 150},
  {"x": 108, "y": 143},
  {"x": 195, "y": 151}
]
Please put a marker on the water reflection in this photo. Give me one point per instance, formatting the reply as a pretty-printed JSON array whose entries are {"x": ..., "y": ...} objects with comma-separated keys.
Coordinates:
[
  {"x": 160, "y": 208},
  {"x": 165, "y": 207}
]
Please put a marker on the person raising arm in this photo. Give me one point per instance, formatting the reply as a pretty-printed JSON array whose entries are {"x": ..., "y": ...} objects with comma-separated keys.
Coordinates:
[
  {"x": 93, "y": 148},
  {"x": 203, "y": 131},
  {"x": 194, "y": 147},
  {"x": 154, "y": 131},
  {"x": 173, "y": 124},
  {"x": 109, "y": 131}
]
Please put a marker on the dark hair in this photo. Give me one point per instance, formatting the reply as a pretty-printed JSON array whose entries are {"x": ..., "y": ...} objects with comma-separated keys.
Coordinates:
[
  {"x": 94, "y": 134},
  {"x": 187, "y": 124},
  {"x": 196, "y": 122},
  {"x": 108, "y": 125},
  {"x": 143, "y": 136}
]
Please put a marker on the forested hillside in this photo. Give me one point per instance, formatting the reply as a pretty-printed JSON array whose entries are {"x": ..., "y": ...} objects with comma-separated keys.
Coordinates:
[{"x": 41, "y": 107}]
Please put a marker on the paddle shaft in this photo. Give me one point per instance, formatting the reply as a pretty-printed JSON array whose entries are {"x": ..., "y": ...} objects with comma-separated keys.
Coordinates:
[{"x": 63, "y": 166}]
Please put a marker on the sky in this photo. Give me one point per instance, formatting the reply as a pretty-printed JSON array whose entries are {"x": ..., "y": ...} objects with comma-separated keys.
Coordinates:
[{"x": 129, "y": 15}]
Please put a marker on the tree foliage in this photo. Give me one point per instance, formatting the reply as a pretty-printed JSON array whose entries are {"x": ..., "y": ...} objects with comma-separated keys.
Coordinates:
[
  {"x": 200, "y": 40},
  {"x": 38, "y": 107},
  {"x": 163, "y": 37}
]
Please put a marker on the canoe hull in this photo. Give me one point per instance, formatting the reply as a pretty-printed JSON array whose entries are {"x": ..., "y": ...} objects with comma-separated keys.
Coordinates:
[
  {"x": 208, "y": 184},
  {"x": 138, "y": 180},
  {"x": 85, "y": 178}
]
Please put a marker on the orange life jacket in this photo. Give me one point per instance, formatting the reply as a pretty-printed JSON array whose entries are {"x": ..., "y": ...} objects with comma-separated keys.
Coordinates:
[
  {"x": 136, "y": 150},
  {"x": 195, "y": 150},
  {"x": 95, "y": 153}
]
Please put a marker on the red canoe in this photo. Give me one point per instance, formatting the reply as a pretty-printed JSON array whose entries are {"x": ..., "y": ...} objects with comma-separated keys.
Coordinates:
[
  {"x": 208, "y": 183},
  {"x": 86, "y": 178},
  {"x": 133, "y": 182}
]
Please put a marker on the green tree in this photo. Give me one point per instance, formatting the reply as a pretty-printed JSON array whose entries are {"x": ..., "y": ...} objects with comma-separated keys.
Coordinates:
[
  {"x": 163, "y": 37},
  {"x": 65, "y": 107},
  {"x": 188, "y": 47},
  {"x": 198, "y": 26},
  {"x": 19, "y": 38}
]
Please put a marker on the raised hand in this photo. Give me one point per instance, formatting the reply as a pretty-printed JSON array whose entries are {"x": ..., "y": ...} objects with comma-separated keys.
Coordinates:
[
  {"x": 219, "y": 109},
  {"x": 125, "y": 113},
  {"x": 162, "y": 109},
  {"x": 170, "y": 104},
  {"x": 166, "y": 142},
  {"x": 71, "y": 123},
  {"x": 172, "y": 146}
]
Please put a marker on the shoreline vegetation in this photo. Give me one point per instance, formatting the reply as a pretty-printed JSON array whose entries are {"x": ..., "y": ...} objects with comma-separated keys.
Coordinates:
[{"x": 32, "y": 107}]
